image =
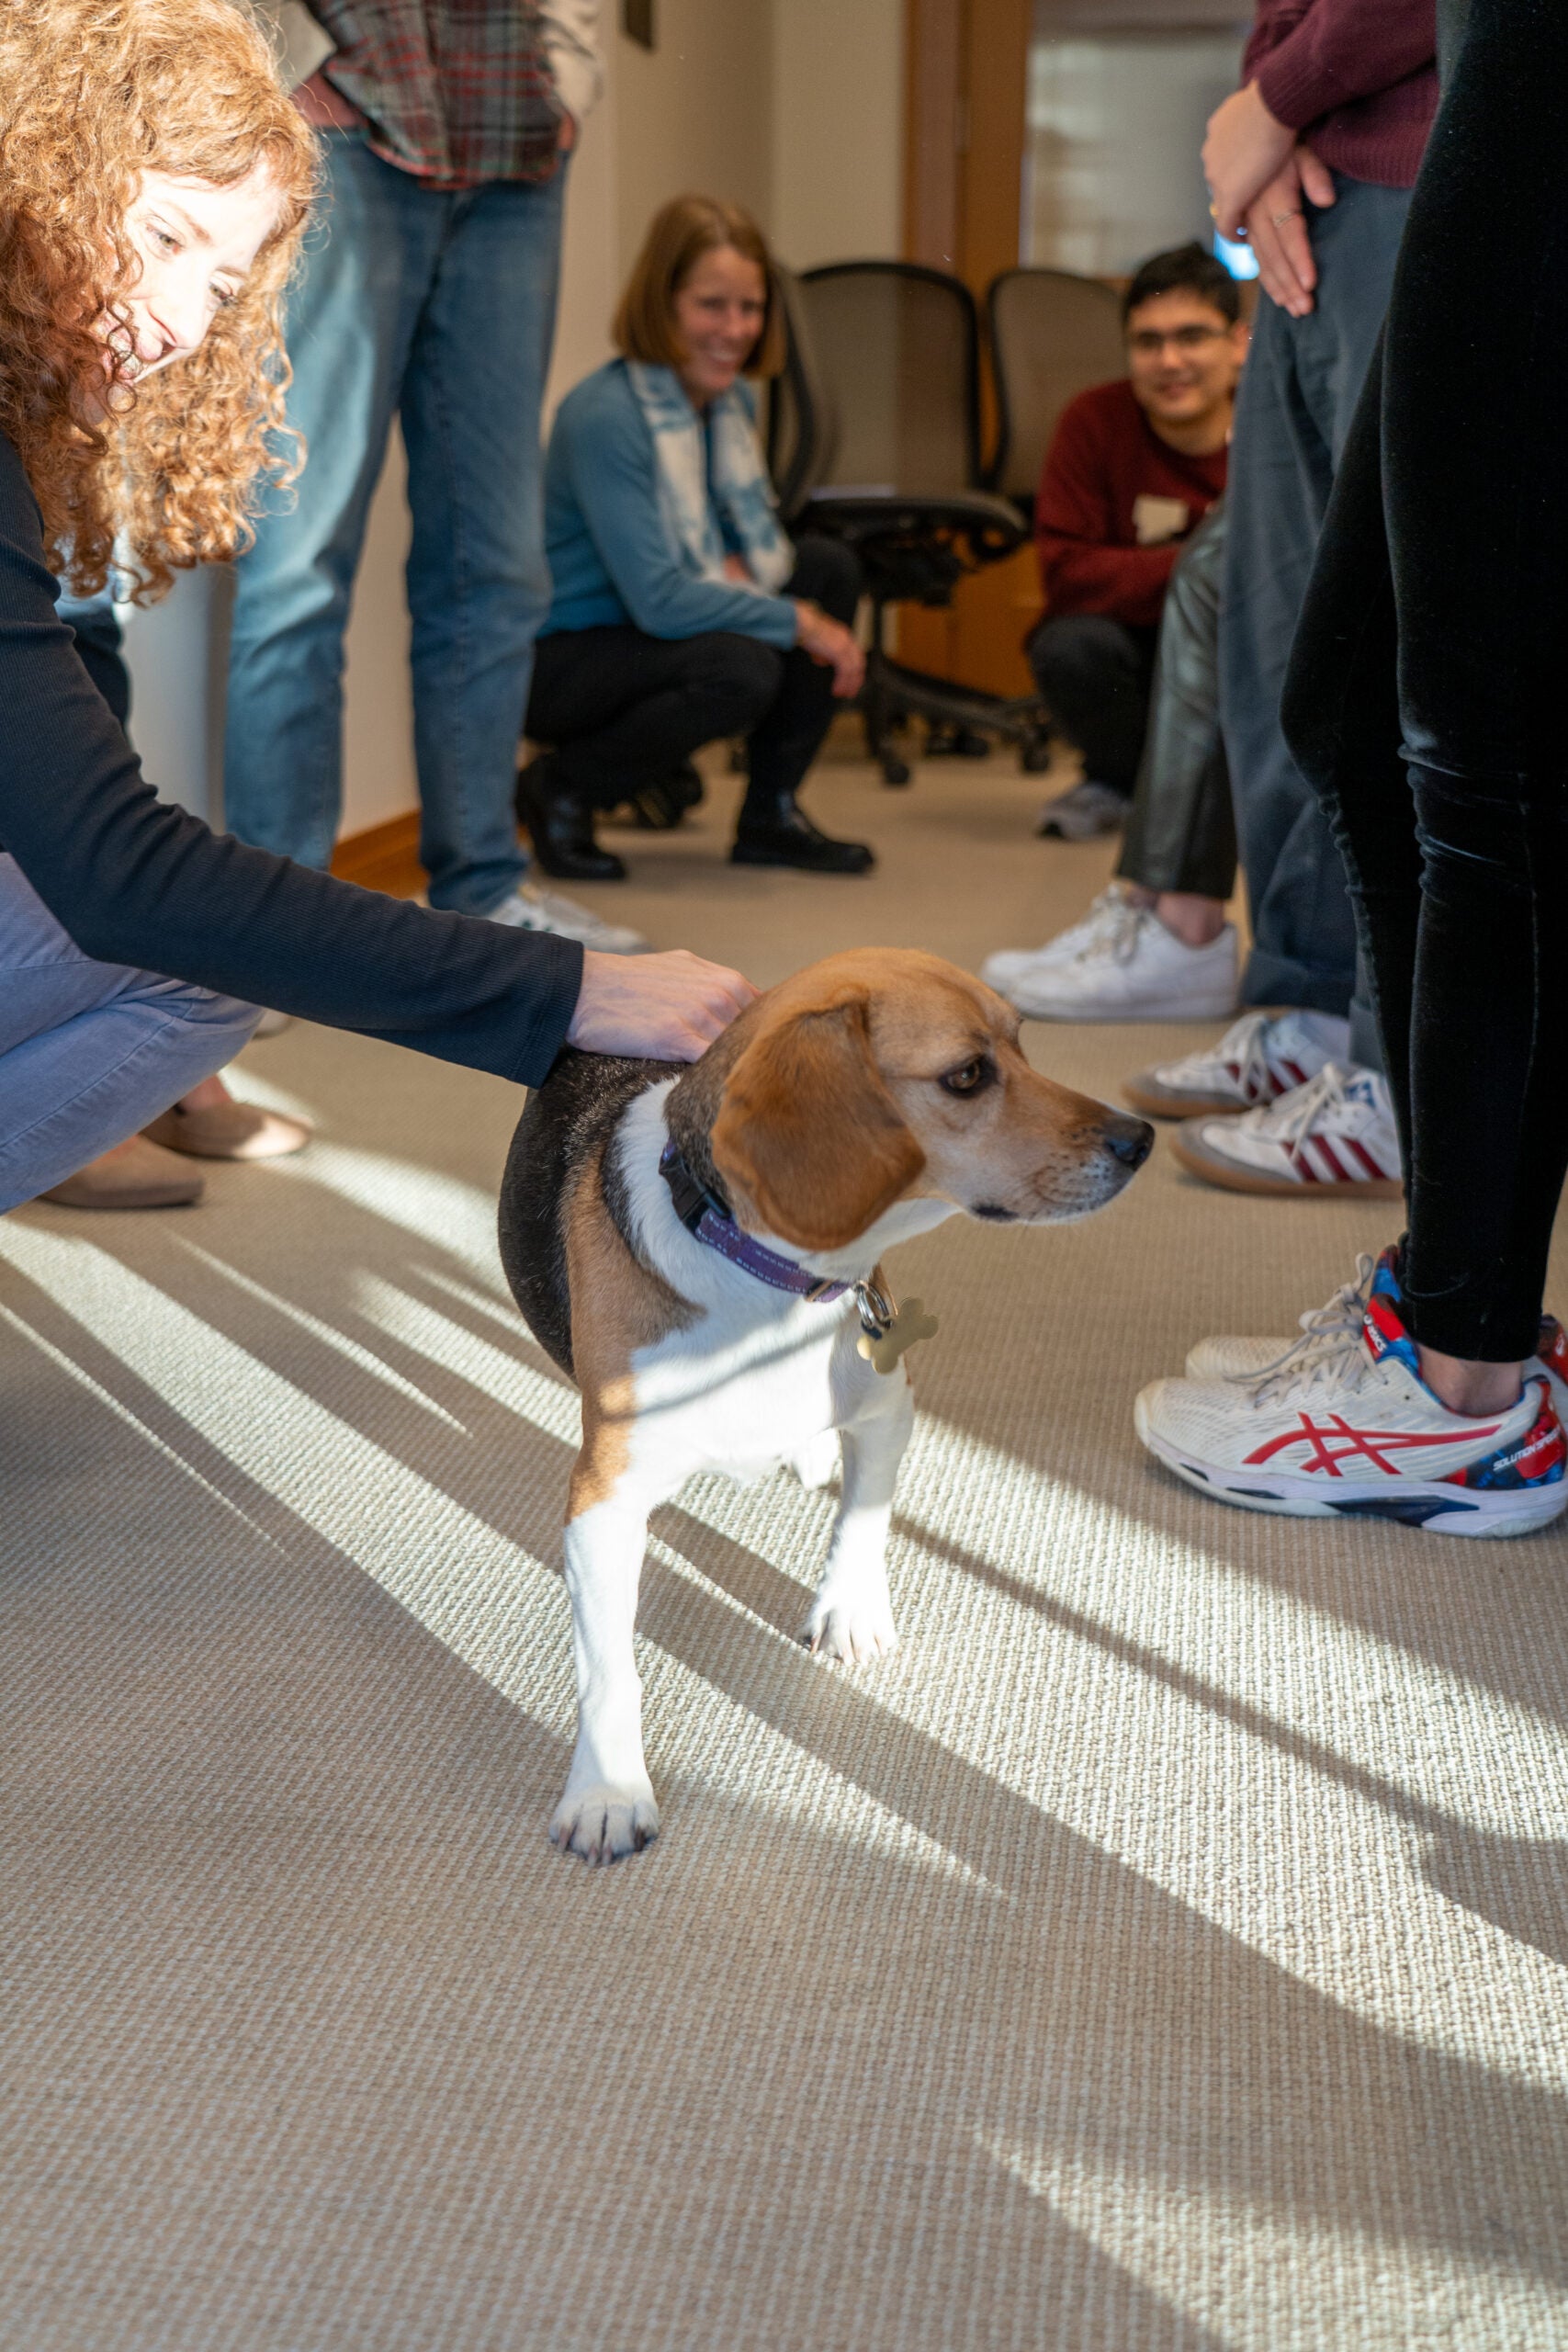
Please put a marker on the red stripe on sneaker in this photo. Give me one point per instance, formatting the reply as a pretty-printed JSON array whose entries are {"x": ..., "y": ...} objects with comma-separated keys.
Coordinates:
[
  {"x": 1337, "y": 1171},
  {"x": 1366, "y": 1159},
  {"x": 1296, "y": 1073}
]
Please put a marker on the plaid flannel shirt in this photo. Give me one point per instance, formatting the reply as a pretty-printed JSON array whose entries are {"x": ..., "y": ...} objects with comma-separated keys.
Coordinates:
[{"x": 458, "y": 92}]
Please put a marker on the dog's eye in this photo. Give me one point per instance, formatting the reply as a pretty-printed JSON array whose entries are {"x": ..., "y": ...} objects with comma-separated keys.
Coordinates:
[{"x": 970, "y": 1078}]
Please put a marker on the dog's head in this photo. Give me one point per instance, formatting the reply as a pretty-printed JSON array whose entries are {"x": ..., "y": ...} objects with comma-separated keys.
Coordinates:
[{"x": 882, "y": 1076}]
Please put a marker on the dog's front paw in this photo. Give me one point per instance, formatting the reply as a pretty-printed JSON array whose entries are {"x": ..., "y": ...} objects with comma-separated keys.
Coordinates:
[
  {"x": 855, "y": 1627},
  {"x": 605, "y": 1824}
]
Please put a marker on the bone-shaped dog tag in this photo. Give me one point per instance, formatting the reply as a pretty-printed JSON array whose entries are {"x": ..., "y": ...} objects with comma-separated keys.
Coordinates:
[{"x": 910, "y": 1322}]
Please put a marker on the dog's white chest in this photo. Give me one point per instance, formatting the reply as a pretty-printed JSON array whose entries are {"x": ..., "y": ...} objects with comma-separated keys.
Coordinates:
[{"x": 746, "y": 1399}]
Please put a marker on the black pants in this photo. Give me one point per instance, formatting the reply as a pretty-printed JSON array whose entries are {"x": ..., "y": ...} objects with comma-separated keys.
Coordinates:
[
  {"x": 1093, "y": 674},
  {"x": 621, "y": 709},
  {"x": 1181, "y": 827},
  {"x": 1424, "y": 694}
]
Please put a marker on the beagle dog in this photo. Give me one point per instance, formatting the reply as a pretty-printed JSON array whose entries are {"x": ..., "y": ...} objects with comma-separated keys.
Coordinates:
[{"x": 697, "y": 1248}]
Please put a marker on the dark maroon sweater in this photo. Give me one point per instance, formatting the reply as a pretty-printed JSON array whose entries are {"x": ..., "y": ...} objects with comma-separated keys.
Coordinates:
[
  {"x": 1104, "y": 457},
  {"x": 1357, "y": 78}
]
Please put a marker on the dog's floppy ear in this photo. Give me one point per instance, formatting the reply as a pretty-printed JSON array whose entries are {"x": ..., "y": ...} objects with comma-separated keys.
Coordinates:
[{"x": 807, "y": 1137}]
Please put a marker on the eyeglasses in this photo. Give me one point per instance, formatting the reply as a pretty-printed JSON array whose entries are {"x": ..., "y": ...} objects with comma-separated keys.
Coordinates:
[{"x": 1148, "y": 345}]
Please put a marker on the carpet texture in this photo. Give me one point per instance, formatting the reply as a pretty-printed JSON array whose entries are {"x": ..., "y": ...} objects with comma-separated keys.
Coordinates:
[{"x": 1167, "y": 1948}]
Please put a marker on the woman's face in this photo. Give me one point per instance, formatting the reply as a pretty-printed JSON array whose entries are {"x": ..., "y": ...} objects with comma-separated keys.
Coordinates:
[
  {"x": 191, "y": 245},
  {"x": 720, "y": 308}
]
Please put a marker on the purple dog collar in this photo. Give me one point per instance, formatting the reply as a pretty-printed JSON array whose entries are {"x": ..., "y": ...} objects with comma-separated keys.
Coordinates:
[{"x": 707, "y": 1219}]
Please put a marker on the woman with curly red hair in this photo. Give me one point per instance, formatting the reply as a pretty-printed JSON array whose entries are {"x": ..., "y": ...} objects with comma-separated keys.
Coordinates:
[{"x": 155, "y": 184}]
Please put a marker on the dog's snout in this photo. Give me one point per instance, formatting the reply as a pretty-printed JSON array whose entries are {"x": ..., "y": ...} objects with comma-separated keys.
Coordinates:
[{"x": 1128, "y": 1141}]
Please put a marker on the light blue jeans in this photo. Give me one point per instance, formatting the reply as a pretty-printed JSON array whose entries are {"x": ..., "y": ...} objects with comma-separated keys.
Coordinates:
[
  {"x": 438, "y": 309},
  {"x": 1297, "y": 394},
  {"x": 89, "y": 1052}
]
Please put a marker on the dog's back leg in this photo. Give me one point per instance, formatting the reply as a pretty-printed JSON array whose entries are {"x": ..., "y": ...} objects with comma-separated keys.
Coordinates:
[
  {"x": 852, "y": 1615},
  {"x": 607, "y": 1809}
]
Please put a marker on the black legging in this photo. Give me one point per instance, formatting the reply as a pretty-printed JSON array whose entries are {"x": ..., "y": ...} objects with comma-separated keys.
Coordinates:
[
  {"x": 621, "y": 708},
  {"x": 1425, "y": 692}
]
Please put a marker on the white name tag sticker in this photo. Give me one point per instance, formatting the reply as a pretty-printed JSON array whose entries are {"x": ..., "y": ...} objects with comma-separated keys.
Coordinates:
[{"x": 1158, "y": 519}]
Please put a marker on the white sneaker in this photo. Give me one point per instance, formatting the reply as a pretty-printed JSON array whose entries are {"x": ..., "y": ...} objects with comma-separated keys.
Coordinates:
[
  {"x": 1126, "y": 967},
  {"x": 531, "y": 908},
  {"x": 1334, "y": 1135},
  {"x": 1259, "y": 1057},
  {"x": 1085, "y": 811},
  {"x": 1352, "y": 1428}
]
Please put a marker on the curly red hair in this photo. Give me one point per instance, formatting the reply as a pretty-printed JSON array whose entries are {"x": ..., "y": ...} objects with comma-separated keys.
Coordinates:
[{"x": 94, "y": 93}]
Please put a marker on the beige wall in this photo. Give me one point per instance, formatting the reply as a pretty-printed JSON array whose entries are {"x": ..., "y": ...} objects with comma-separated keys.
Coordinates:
[
  {"x": 838, "y": 129},
  {"x": 696, "y": 112}
]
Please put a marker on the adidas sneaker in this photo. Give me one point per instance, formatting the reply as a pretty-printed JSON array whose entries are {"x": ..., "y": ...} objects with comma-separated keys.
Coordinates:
[{"x": 1334, "y": 1135}]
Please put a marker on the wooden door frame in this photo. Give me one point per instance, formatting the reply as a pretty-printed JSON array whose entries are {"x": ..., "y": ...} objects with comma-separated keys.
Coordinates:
[{"x": 966, "y": 72}]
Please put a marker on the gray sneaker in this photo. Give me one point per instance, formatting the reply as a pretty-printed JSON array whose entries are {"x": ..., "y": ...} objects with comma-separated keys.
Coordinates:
[
  {"x": 531, "y": 908},
  {"x": 1087, "y": 810}
]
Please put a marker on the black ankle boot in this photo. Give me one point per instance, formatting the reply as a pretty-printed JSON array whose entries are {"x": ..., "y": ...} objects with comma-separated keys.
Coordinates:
[
  {"x": 561, "y": 828},
  {"x": 780, "y": 833}
]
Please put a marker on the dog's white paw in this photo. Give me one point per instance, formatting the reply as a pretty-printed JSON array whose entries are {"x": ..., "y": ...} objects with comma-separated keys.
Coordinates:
[
  {"x": 855, "y": 1627},
  {"x": 816, "y": 1461},
  {"x": 605, "y": 1824}
]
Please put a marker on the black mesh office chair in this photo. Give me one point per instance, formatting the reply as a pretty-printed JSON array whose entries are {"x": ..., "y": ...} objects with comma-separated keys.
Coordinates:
[
  {"x": 873, "y": 437},
  {"x": 1053, "y": 335}
]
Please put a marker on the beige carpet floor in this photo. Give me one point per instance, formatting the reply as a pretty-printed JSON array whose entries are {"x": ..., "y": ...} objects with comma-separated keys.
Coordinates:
[{"x": 1167, "y": 1948}]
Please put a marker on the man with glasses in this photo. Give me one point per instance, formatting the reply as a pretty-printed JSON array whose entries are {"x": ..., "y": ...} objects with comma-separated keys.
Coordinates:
[{"x": 1132, "y": 469}]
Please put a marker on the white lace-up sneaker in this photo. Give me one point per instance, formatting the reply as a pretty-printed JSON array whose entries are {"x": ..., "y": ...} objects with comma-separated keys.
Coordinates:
[
  {"x": 1334, "y": 1135},
  {"x": 531, "y": 908},
  {"x": 1259, "y": 1057},
  {"x": 1350, "y": 1428},
  {"x": 1124, "y": 966}
]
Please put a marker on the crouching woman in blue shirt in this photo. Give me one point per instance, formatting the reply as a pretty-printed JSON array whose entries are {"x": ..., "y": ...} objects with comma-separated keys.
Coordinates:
[{"x": 682, "y": 613}]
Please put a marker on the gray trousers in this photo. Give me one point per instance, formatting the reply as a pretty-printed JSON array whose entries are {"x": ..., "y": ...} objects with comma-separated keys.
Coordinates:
[
  {"x": 89, "y": 1052},
  {"x": 1297, "y": 394}
]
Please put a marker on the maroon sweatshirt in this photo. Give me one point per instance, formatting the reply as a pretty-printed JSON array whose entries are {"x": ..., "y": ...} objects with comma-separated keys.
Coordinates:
[
  {"x": 1357, "y": 78},
  {"x": 1106, "y": 471}
]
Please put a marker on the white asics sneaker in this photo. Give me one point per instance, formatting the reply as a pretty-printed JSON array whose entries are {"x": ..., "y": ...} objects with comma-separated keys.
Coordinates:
[
  {"x": 532, "y": 909},
  {"x": 1259, "y": 1057},
  {"x": 1352, "y": 1430},
  {"x": 1126, "y": 967},
  {"x": 1334, "y": 1135}
]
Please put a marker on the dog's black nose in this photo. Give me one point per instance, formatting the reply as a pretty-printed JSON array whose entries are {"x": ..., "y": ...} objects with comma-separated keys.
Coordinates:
[{"x": 1128, "y": 1141}]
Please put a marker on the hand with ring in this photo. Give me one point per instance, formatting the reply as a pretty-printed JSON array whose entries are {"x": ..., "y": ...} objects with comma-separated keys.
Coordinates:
[{"x": 1277, "y": 229}]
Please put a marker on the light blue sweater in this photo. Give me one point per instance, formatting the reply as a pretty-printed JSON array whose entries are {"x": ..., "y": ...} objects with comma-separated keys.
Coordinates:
[{"x": 610, "y": 560}]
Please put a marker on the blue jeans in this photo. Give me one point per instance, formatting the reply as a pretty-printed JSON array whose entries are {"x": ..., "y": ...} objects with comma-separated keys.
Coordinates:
[
  {"x": 1297, "y": 394},
  {"x": 438, "y": 309},
  {"x": 89, "y": 1052}
]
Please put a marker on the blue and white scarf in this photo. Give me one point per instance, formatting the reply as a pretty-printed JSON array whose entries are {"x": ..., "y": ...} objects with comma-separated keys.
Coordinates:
[{"x": 739, "y": 484}]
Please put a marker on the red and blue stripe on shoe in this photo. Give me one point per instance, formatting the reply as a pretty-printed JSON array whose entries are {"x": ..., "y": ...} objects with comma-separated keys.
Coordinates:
[{"x": 1540, "y": 1457}]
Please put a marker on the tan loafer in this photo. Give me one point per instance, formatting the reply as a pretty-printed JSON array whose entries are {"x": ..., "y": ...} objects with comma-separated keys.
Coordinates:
[
  {"x": 138, "y": 1176},
  {"x": 229, "y": 1131}
]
